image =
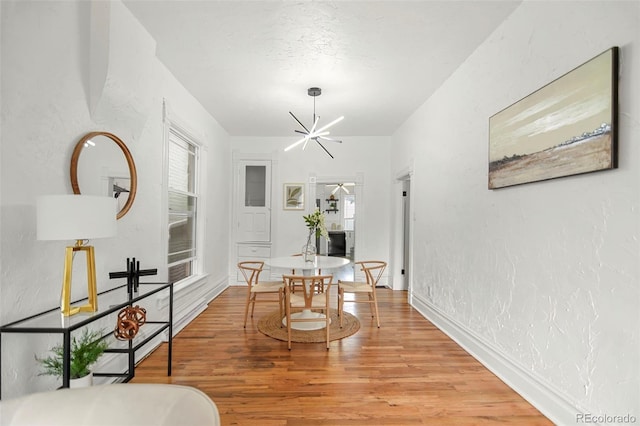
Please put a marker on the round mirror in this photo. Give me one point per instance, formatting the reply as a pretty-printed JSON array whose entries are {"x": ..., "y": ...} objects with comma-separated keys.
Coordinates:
[{"x": 101, "y": 164}]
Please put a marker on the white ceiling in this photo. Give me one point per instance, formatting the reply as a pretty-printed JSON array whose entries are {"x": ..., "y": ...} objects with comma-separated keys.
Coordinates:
[{"x": 251, "y": 62}]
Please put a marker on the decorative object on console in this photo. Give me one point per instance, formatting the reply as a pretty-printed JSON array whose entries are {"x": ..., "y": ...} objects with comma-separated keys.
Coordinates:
[
  {"x": 79, "y": 218},
  {"x": 568, "y": 127},
  {"x": 293, "y": 196},
  {"x": 103, "y": 168},
  {"x": 315, "y": 134},
  {"x": 133, "y": 274},
  {"x": 317, "y": 228},
  {"x": 85, "y": 351},
  {"x": 129, "y": 321}
]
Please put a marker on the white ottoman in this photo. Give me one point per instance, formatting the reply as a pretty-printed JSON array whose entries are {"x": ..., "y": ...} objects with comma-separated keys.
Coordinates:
[{"x": 112, "y": 405}]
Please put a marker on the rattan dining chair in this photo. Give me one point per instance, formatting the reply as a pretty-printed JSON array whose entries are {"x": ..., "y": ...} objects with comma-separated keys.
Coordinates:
[
  {"x": 312, "y": 295},
  {"x": 251, "y": 272},
  {"x": 373, "y": 270}
]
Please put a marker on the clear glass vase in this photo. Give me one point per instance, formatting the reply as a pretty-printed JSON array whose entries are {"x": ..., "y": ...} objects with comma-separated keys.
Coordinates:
[{"x": 309, "y": 252}]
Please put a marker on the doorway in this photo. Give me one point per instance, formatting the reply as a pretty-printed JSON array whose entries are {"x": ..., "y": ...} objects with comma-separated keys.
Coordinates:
[
  {"x": 406, "y": 233},
  {"x": 337, "y": 200},
  {"x": 347, "y": 210}
]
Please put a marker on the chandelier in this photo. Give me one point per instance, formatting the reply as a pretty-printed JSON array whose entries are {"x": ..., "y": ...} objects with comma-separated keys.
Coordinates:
[
  {"x": 315, "y": 133},
  {"x": 341, "y": 186}
]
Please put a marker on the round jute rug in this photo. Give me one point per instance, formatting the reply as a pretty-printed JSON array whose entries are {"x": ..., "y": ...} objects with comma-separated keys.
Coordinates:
[{"x": 271, "y": 325}]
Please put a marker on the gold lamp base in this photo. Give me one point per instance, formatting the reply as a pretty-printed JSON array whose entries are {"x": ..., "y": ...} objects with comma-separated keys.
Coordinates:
[{"x": 65, "y": 305}]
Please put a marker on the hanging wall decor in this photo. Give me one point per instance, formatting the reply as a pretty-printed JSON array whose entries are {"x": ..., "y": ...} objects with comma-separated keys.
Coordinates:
[
  {"x": 293, "y": 196},
  {"x": 567, "y": 127}
]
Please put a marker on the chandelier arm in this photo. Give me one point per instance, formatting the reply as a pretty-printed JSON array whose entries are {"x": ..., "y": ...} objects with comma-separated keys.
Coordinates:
[
  {"x": 331, "y": 124},
  {"x": 315, "y": 123},
  {"x": 301, "y": 132},
  {"x": 293, "y": 145},
  {"x": 325, "y": 149},
  {"x": 299, "y": 122},
  {"x": 330, "y": 139}
]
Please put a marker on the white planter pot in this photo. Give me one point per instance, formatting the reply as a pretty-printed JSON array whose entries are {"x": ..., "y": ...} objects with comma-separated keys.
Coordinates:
[{"x": 82, "y": 382}]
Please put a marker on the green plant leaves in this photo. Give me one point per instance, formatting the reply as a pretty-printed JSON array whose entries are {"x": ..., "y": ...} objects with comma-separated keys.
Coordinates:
[
  {"x": 85, "y": 351},
  {"x": 315, "y": 223}
]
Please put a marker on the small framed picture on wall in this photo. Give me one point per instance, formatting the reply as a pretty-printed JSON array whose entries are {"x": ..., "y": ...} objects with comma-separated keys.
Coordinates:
[{"x": 293, "y": 196}]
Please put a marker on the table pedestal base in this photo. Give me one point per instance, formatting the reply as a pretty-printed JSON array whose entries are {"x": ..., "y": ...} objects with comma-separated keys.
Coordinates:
[{"x": 306, "y": 326}]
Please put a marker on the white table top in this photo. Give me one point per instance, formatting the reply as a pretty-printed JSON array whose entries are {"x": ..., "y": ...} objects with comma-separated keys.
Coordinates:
[{"x": 297, "y": 262}]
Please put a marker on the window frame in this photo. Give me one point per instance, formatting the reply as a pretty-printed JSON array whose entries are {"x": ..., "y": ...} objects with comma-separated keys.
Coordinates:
[
  {"x": 197, "y": 265},
  {"x": 345, "y": 200}
]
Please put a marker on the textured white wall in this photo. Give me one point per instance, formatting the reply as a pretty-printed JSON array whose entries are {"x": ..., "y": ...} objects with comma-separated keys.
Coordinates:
[
  {"x": 545, "y": 274},
  {"x": 45, "y": 98},
  {"x": 368, "y": 156}
]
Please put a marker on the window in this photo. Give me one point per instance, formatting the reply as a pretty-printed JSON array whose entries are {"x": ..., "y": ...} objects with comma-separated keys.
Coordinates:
[
  {"x": 349, "y": 212},
  {"x": 255, "y": 185},
  {"x": 182, "y": 179}
]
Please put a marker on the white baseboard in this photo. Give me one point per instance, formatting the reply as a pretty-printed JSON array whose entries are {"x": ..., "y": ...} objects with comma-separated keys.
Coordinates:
[
  {"x": 191, "y": 301},
  {"x": 550, "y": 403},
  {"x": 188, "y": 302}
]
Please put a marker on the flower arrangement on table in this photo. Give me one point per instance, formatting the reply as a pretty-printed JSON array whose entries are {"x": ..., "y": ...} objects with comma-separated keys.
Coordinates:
[{"x": 315, "y": 223}]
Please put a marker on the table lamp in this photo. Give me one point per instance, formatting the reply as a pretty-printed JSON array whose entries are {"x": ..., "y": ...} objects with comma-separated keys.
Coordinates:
[{"x": 79, "y": 218}]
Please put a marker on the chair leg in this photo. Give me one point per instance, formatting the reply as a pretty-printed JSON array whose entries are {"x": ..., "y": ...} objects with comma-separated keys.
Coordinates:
[
  {"x": 280, "y": 303},
  {"x": 253, "y": 305},
  {"x": 288, "y": 310},
  {"x": 371, "y": 304},
  {"x": 327, "y": 316},
  {"x": 246, "y": 309},
  {"x": 328, "y": 320},
  {"x": 340, "y": 304},
  {"x": 375, "y": 305}
]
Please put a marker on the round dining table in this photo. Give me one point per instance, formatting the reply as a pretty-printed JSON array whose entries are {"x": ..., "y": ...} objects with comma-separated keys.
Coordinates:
[
  {"x": 297, "y": 263},
  {"x": 325, "y": 263}
]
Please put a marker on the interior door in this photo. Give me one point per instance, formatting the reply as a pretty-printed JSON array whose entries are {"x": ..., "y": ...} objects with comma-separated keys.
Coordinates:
[{"x": 254, "y": 210}]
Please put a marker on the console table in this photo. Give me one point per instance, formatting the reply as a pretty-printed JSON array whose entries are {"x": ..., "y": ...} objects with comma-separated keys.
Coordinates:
[{"x": 109, "y": 302}]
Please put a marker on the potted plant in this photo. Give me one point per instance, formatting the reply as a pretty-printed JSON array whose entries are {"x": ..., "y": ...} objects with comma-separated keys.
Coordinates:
[{"x": 85, "y": 351}]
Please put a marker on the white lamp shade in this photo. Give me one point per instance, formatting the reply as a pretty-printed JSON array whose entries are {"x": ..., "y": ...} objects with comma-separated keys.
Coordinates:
[{"x": 75, "y": 217}]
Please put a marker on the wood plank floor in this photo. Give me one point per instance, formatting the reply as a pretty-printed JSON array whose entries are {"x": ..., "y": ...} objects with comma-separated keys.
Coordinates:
[{"x": 405, "y": 373}]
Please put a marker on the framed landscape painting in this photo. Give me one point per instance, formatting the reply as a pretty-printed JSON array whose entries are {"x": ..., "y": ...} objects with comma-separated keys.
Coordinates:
[
  {"x": 293, "y": 196},
  {"x": 568, "y": 127}
]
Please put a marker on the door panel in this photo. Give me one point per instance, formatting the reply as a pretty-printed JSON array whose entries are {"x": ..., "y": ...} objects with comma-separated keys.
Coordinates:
[{"x": 254, "y": 209}]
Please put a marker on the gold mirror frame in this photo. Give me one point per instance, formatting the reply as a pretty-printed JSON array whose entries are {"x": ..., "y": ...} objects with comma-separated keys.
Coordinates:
[{"x": 75, "y": 157}]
